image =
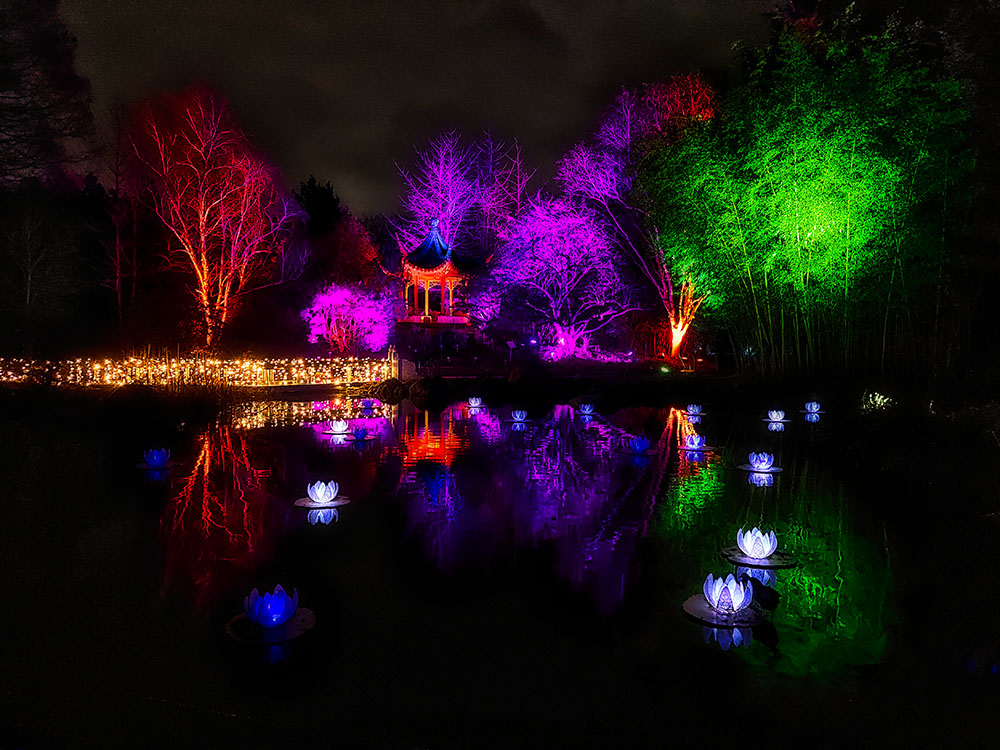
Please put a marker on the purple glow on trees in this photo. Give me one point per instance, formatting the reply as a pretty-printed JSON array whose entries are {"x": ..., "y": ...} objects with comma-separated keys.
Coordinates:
[
  {"x": 349, "y": 318},
  {"x": 474, "y": 190},
  {"x": 603, "y": 175},
  {"x": 562, "y": 265}
]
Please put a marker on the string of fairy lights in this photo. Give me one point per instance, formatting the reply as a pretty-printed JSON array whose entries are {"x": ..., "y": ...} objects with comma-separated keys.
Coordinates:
[{"x": 178, "y": 371}]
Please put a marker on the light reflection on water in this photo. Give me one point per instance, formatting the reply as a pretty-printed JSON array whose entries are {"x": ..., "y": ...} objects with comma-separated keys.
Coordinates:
[{"x": 474, "y": 490}]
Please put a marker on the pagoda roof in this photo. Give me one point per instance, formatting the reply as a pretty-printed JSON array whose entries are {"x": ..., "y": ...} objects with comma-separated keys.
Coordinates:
[{"x": 432, "y": 253}]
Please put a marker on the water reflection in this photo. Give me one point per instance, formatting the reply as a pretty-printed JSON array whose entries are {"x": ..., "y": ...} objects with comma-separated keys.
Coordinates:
[{"x": 223, "y": 517}]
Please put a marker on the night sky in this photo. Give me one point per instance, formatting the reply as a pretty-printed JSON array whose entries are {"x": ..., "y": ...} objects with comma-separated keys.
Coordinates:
[{"x": 346, "y": 90}]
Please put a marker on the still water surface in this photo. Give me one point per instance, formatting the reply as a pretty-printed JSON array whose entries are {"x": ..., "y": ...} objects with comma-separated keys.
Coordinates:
[{"x": 493, "y": 582}]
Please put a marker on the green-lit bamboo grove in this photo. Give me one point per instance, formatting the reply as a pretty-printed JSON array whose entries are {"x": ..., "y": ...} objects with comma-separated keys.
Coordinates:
[{"x": 818, "y": 210}]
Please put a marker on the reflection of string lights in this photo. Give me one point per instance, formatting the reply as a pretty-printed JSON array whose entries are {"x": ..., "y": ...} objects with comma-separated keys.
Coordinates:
[
  {"x": 198, "y": 371},
  {"x": 253, "y": 415}
]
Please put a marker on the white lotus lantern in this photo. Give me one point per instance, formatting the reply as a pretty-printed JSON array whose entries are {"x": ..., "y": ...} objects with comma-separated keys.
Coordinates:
[
  {"x": 756, "y": 544},
  {"x": 727, "y": 596},
  {"x": 322, "y": 493},
  {"x": 338, "y": 427},
  {"x": 776, "y": 415}
]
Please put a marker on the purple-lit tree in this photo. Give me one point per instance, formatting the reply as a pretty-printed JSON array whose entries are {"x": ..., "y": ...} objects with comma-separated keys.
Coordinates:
[
  {"x": 560, "y": 264},
  {"x": 603, "y": 175},
  {"x": 474, "y": 190},
  {"x": 349, "y": 319}
]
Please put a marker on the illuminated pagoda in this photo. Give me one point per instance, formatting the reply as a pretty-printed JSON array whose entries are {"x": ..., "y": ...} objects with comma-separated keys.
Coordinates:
[{"x": 428, "y": 266}]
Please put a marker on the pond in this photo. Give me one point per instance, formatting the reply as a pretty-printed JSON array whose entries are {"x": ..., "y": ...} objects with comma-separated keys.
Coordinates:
[{"x": 500, "y": 577}]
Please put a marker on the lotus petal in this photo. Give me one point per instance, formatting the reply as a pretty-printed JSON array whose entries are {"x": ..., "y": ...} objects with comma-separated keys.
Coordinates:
[
  {"x": 694, "y": 409},
  {"x": 338, "y": 426},
  {"x": 761, "y": 461},
  {"x": 639, "y": 443},
  {"x": 475, "y": 401},
  {"x": 586, "y": 408},
  {"x": 776, "y": 415},
  {"x": 776, "y": 426},
  {"x": 812, "y": 406},
  {"x": 519, "y": 415},
  {"x": 360, "y": 433},
  {"x": 157, "y": 457}
]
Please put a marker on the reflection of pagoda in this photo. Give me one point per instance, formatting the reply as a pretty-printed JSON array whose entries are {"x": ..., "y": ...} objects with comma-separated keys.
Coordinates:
[
  {"x": 422, "y": 442},
  {"x": 430, "y": 266}
]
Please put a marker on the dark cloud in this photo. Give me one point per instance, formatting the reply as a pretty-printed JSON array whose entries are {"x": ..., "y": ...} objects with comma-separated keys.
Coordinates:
[{"x": 346, "y": 90}]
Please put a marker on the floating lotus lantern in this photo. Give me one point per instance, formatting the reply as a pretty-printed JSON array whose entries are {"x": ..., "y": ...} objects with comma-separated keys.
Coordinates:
[
  {"x": 638, "y": 444},
  {"x": 776, "y": 415},
  {"x": 756, "y": 544},
  {"x": 338, "y": 427},
  {"x": 727, "y": 596},
  {"x": 775, "y": 427},
  {"x": 762, "y": 463},
  {"x": 358, "y": 432},
  {"x": 586, "y": 409},
  {"x": 368, "y": 404},
  {"x": 323, "y": 515},
  {"x": 695, "y": 442},
  {"x": 728, "y": 638},
  {"x": 693, "y": 410},
  {"x": 322, "y": 495},
  {"x": 757, "y": 549},
  {"x": 271, "y": 610},
  {"x": 475, "y": 402},
  {"x": 519, "y": 415},
  {"x": 812, "y": 407},
  {"x": 157, "y": 458},
  {"x": 759, "y": 479}
]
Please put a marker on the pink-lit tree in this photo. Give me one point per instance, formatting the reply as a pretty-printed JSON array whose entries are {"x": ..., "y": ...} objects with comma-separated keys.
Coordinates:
[
  {"x": 228, "y": 221},
  {"x": 603, "y": 173},
  {"x": 350, "y": 318},
  {"x": 562, "y": 265}
]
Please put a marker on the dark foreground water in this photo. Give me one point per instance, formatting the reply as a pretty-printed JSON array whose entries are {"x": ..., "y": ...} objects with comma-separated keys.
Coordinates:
[{"x": 491, "y": 584}]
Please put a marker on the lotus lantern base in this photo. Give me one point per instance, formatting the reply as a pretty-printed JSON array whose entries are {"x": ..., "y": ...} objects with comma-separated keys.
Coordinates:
[
  {"x": 748, "y": 467},
  {"x": 766, "y": 419},
  {"x": 776, "y": 561},
  {"x": 244, "y": 630},
  {"x": 308, "y": 502},
  {"x": 697, "y": 608}
]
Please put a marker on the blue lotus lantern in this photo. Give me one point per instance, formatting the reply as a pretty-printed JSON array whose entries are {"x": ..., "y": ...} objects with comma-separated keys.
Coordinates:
[
  {"x": 639, "y": 443},
  {"x": 727, "y": 596},
  {"x": 271, "y": 610},
  {"x": 475, "y": 402},
  {"x": 519, "y": 415},
  {"x": 760, "y": 479},
  {"x": 157, "y": 458},
  {"x": 367, "y": 403},
  {"x": 761, "y": 461},
  {"x": 693, "y": 409},
  {"x": 775, "y": 427},
  {"x": 324, "y": 516},
  {"x": 694, "y": 442},
  {"x": 812, "y": 417},
  {"x": 338, "y": 427},
  {"x": 776, "y": 415},
  {"x": 756, "y": 544},
  {"x": 359, "y": 432},
  {"x": 812, "y": 407},
  {"x": 586, "y": 408}
]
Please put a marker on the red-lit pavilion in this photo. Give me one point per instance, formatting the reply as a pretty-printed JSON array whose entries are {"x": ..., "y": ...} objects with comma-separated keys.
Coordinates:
[{"x": 430, "y": 265}]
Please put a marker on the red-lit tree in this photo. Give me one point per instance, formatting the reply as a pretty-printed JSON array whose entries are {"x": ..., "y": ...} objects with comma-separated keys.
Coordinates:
[
  {"x": 228, "y": 221},
  {"x": 603, "y": 174}
]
